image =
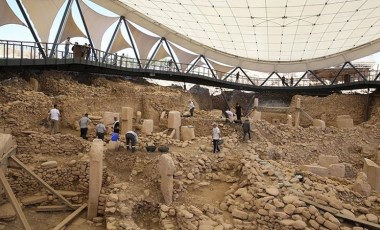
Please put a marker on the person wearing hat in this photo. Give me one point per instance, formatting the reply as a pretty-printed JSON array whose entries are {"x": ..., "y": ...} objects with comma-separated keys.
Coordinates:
[
  {"x": 83, "y": 124},
  {"x": 191, "y": 107},
  {"x": 100, "y": 129},
  {"x": 215, "y": 137}
]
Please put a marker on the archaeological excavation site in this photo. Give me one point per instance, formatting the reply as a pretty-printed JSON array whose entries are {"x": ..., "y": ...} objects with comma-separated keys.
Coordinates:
[{"x": 311, "y": 162}]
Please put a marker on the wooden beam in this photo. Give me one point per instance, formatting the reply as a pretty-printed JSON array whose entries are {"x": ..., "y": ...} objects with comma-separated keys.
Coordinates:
[
  {"x": 70, "y": 217},
  {"x": 54, "y": 208},
  {"x": 48, "y": 187},
  {"x": 16, "y": 205},
  {"x": 9, "y": 153},
  {"x": 336, "y": 213}
]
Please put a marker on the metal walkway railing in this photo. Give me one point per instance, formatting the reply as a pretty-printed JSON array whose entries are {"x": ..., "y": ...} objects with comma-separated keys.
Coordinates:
[{"x": 27, "y": 55}]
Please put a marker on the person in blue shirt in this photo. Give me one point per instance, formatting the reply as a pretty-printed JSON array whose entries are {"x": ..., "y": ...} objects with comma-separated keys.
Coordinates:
[{"x": 114, "y": 136}]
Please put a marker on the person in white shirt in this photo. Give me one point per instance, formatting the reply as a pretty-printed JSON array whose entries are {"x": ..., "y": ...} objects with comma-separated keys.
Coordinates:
[
  {"x": 131, "y": 139},
  {"x": 191, "y": 107},
  {"x": 229, "y": 115},
  {"x": 215, "y": 137},
  {"x": 67, "y": 46},
  {"x": 54, "y": 115}
]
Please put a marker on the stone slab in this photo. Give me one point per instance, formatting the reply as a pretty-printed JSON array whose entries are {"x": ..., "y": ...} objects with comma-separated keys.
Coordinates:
[
  {"x": 316, "y": 169},
  {"x": 373, "y": 173},
  {"x": 34, "y": 199},
  {"x": 337, "y": 170},
  {"x": 326, "y": 160}
]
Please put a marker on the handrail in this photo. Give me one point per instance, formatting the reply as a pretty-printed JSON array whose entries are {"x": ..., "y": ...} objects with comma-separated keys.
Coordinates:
[{"x": 25, "y": 50}]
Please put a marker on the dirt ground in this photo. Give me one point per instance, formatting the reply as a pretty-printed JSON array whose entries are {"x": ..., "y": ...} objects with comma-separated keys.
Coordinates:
[{"x": 289, "y": 146}]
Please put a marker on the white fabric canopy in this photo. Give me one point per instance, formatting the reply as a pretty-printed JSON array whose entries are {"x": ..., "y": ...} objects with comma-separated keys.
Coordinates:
[
  {"x": 183, "y": 57},
  {"x": 7, "y": 16},
  {"x": 221, "y": 69},
  {"x": 42, "y": 14},
  {"x": 161, "y": 53},
  {"x": 143, "y": 41},
  {"x": 96, "y": 23},
  {"x": 119, "y": 43},
  {"x": 71, "y": 29},
  {"x": 281, "y": 35}
]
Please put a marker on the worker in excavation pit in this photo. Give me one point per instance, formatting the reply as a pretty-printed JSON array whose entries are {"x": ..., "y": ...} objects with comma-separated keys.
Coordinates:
[{"x": 131, "y": 139}]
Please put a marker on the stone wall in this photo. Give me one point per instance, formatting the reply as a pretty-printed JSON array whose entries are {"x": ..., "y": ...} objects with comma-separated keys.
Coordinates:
[
  {"x": 328, "y": 108},
  {"x": 31, "y": 143}
]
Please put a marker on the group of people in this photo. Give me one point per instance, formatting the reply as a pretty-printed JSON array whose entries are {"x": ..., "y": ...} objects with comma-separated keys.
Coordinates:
[
  {"x": 100, "y": 129},
  {"x": 284, "y": 81},
  {"x": 216, "y": 135},
  {"x": 79, "y": 51},
  {"x": 131, "y": 137},
  {"x": 230, "y": 115}
]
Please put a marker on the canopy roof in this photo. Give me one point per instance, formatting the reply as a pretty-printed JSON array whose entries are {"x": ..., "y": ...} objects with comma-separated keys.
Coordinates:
[{"x": 265, "y": 35}]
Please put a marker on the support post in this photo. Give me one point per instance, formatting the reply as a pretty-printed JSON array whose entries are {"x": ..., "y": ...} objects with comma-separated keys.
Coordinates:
[
  {"x": 60, "y": 28},
  {"x": 304, "y": 74},
  {"x": 87, "y": 32},
  {"x": 112, "y": 39},
  {"x": 48, "y": 187},
  {"x": 339, "y": 73},
  {"x": 132, "y": 43},
  {"x": 42, "y": 52},
  {"x": 154, "y": 53},
  {"x": 171, "y": 54},
  {"x": 12, "y": 198},
  {"x": 298, "y": 112}
]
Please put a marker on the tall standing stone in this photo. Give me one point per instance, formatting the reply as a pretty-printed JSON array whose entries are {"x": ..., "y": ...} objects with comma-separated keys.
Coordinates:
[
  {"x": 147, "y": 126},
  {"x": 373, "y": 173},
  {"x": 174, "y": 122},
  {"x": 166, "y": 168},
  {"x": 96, "y": 175},
  {"x": 298, "y": 112},
  {"x": 126, "y": 119}
]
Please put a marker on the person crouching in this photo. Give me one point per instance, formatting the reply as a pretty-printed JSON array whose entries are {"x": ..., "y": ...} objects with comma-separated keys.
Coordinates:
[{"x": 131, "y": 140}]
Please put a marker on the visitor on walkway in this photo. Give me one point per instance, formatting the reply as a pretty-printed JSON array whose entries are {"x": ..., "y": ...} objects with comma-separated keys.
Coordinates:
[
  {"x": 100, "y": 130},
  {"x": 83, "y": 124},
  {"x": 291, "y": 81},
  {"x": 191, "y": 107},
  {"x": 283, "y": 81},
  {"x": 238, "y": 113},
  {"x": 67, "y": 46},
  {"x": 237, "y": 77},
  {"x": 131, "y": 139},
  {"x": 77, "y": 50},
  {"x": 215, "y": 137},
  {"x": 54, "y": 115},
  {"x": 116, "y": 125},
  {"x": 229, "y": 115},
  {"x": 246, "y": 129}
]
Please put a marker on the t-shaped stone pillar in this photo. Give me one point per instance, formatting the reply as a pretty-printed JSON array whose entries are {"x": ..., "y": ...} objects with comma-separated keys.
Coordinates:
[
  {"x": 166, "y": 168},
  {"x": 298, "y": 112},
  {"x": 126, "y": 119},
  {"x": 256, "y": 114},
  {"x": 174, "y": 122},
  {"x": 96, "y": 176}
]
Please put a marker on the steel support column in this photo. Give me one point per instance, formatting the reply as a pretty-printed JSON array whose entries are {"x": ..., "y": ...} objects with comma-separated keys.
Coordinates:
[
  {"x": 361, "y": 75},
  {"x": 86, "y": 29},
  {"x": 229, "y": 74},
  {"x": 339, "y": 73},
  {"x": 195, "y": 62},
  {"x": 112, "y": 38},
  {"x": 317, "y": 77},
  {"x": 42, "y": 52},
  {"x": 304, "y": 74},
  {"x": 270, "y": 75},
  {"x": 60, "y": 28},
  {"x": 133, "y": 44},
  {"x": 154, "y": 53},
  {"x": 171, "y": 54}
]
